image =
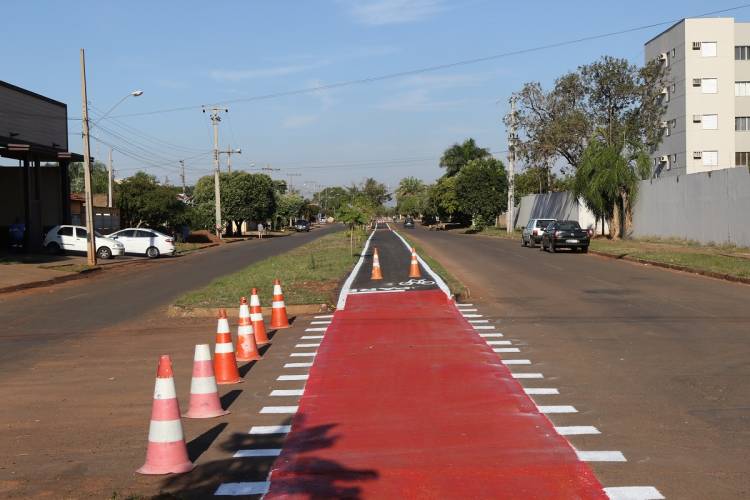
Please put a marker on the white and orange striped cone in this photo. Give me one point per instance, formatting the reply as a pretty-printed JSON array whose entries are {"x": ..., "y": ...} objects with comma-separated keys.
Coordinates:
[
  {"x": 279, "y": 318},
  {"x": 247, "y": 349},
  {"x": 167, "y": 452},
  {"x": 414, "y": 267},
  {"x": 225, "y": 363},
  {"x": 376, "y": 273},
  {"x": 204, "y": 393},
  {"x": 256, "y": 318}
]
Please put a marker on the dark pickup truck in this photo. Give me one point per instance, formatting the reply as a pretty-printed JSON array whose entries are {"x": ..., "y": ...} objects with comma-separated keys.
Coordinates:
[{"x": 565, "y": 234}]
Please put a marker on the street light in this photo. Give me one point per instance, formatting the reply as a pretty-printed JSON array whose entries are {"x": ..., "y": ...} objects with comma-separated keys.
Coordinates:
[{"x": 135, "y": 93}]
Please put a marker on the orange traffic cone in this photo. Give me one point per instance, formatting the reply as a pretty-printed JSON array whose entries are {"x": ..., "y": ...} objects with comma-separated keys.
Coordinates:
[
  {"x": 376, "y": 274},
  {"x": 247, "y": 349},
  {"x": 204, "y": 394},
  {"x": 256, "y": 318},
  {"x": 414, "y": 268},
  {"x": 166, "y": 452},
  {"x": 278, "y": 308},
  {"x": 225, "y": 364}
]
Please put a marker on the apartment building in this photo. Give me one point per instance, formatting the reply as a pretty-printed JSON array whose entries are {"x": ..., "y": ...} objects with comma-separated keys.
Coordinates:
[{"x": 707, "y": 119}]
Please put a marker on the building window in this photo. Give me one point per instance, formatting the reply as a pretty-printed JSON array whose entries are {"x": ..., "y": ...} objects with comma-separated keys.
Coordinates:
[
  {"x": 742, "y": 123},
  {"x": 742, "y": 52},
  {"x": 742, "y": 159},
  {"x": 742, "y": 89},
  {"x": 710, "y": 158},
  {"x": 710, "y": 122},
  {"x": 709, "y": 85},
  {"x": 708, "y": 49}
]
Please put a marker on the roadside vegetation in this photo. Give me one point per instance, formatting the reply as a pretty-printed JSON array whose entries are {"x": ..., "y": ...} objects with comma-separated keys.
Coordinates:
[
  {"x": 454, "y": 284},
  {"x": 309, "y": 274}
]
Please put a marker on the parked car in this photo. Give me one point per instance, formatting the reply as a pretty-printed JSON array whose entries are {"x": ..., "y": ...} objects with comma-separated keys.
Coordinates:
[
  {"x": 534, "y": 230},
  {"x": 409, "y": 222},
  {"x": 143, "y": 241},
  {"x": 66, "y": 238},
  {"x": 302, "y": 225},
  {"x": 566, "y": 234}
]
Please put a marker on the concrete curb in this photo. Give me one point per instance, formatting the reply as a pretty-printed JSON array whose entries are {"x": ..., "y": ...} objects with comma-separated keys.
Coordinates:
[
  {"x": 674, "y": 267},
  {"x": 233, "y": 311},
  {"x": 52, "y": 281}
]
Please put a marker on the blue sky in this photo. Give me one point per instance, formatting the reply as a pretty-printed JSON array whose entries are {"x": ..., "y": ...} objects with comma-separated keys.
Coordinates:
[{"x": 188, "y": 53}]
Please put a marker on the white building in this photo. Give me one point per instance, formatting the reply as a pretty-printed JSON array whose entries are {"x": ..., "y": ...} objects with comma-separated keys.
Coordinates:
[{"x": 707, "y": 122}]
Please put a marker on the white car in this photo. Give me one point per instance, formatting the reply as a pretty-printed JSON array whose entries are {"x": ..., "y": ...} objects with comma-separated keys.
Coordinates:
[
  {"x": 144, "y": 241},
  {"x": 67, "y": 238}
]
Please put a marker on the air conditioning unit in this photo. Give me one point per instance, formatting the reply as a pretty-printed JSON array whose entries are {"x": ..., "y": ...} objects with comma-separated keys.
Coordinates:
[
  {"x": 696, "y": 82},
  {"x": 664, "y": 159},
  {"x": 697, "y": 155},
  {"x": 664, "y": 124},
  {"x": 664, "y": 57},
  {"x": 697, "y": 118},
  {"x": 696, "y": 46}
]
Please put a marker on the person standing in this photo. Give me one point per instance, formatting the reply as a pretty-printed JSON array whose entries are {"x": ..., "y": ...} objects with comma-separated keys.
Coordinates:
[{"x": 260, "y": 230}]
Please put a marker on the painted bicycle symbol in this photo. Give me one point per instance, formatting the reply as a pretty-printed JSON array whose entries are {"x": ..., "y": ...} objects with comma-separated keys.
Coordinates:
[{"x": 413, "y": 282}]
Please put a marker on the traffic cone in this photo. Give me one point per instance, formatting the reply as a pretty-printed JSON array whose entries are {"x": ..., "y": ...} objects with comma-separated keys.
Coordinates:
[
  {"x": 256, "y": 318},
  {"x": 414, "y": 268},
  {"x": 278, "y": 308},
  {"x": 204, "y": 394},
  {"x": 167, "y": 452},
  {"x": 376, "y": 274},
  {"x": 247, "y": 349},
  {"x": 225, "y": 364}
]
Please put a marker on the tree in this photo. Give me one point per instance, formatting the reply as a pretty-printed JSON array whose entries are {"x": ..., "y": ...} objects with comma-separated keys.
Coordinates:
[
  {"x": 353, "y": 215},
  {"x": 374, "y": 192},
  {"x": 331, "y": 199},
  {"x": 482, "y": 190},
  {"x": 537, "y": 180},
  {"x": 99, "y": 177},
  {"x": 289, "y": 207},
  {"x": 442, "y": 200},
  {"x": 410, "y": 196},
  {"x": 143, "y": 201},
  {"x": 455, "y": 157}
]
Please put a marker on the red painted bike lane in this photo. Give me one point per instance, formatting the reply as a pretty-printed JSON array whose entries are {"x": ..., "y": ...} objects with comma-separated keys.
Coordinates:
[{"x": 405, "y": 400}]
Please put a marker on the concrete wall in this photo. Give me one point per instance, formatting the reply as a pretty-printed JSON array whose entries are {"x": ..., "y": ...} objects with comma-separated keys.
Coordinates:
[
  {"x": 562, "y": 206},
  {"x": 711, "y": 207}
]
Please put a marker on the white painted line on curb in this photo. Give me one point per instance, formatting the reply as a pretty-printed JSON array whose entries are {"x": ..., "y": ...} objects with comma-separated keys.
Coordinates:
[
  {"x": 601, "y": 456},
  {"x": 499, "y": 342},
  {"x": 301, "y": 354},
  {"x": 479, "y": 321},
  {"x": 557, "y": 409},
  {"x": 311, "y": 337},
  {"x": 279, "y": 409},
  {"x": 315, "y": 329},
  {"x": 324, "y": 316},
  {"x": 507, "y": 349},
  {"x": 292, "y": 377},
  {"x": 516, "y": 361},
  {"x": 287, "y": 392},
  {"x": 237, "y": 489},
  {"x": 532, "y": 391},
  {"x": 527, "y": 375},
  {"x": 260, "y": 452},
  {"x": 298, "y": 365},
  {"x": 489, "y": 335},
  {"x": 270, "y": 429},
  {"x": 320, "y": 322},
  {"x": 576, "y": 430},
  {"x": 483, "y": 327},
  {"x": 633, "y": 493},
  {"x": 350, "y": 279},
  {"x": 307, "y": 345}
]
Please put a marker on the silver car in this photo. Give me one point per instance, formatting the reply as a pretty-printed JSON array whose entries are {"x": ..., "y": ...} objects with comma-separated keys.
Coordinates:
[{"x": 534, "y": 230}]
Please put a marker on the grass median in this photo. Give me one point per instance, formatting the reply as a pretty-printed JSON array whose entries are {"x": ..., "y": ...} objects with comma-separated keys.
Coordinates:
[{"x": 310, "y": 274}]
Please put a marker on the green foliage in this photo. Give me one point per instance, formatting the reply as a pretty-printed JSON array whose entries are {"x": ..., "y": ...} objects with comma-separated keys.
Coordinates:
[
  {"x": 331, "y": 199},
  {"x": 244, "y": 197},
  {"x": 99, "y": 177},
  {"x": 482, "y": 189},
  {"x": 411, "y": 196},
  {"x": 288, "y": 207},
  {"x": 143, "y": 201},
  {"x": 457, "y": 156},
  {"x": 535, "y": 180}
]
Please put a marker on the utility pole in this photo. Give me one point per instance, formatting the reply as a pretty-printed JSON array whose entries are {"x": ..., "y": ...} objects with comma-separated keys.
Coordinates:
[
  {"x": 90, "y": 241},
  {"x": 109, "y": 179},
  {"x": 290, "y": 176},
  {"x": 511, "y": 166},
  {"x": 215, "y": 119},
  {"x": 182, "y": 176},
  {"x": 229, "y": 152}
]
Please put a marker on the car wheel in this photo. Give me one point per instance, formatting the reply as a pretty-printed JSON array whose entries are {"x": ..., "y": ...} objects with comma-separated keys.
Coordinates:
[
  {"x": 523, "y": 242},
  {"x": 152, "y": 252},
  {"x": 585, "y": 249},
  {"x": 542, "y": 248},
  {"x": 552, "y": 247},
  {"x": 54, "y": 249},
  {"x": 104, "y": 253}
]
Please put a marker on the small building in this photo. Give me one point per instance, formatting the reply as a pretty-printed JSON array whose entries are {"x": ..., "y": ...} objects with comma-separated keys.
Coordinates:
[{"x": 106, "y": 219}]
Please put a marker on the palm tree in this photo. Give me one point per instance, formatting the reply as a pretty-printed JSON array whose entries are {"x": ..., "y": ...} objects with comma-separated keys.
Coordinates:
[{"x": 458, "y": 155}]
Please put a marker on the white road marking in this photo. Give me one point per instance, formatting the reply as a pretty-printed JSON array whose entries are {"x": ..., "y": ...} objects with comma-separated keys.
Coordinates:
[
  {"x": 469, "y": 310},
  {"x": 350, "y": 279},
  {"x": 488, "y": 335},
  {"x": 320, "y": 322},
  {"x": 261, "y": 452},
  {"x": 298, "y": 365},
  {"x": 472, "y": 315},
  {"x": 237, "y": 489},
  {"x": 540, "y": 390},
  {"x": 479, "y": 321},
  {"x": 516, "y": 361},
  {"x": 279, "y": 409},
  {"x": 633, "y": 493},
  {"x": 527, "y": 375},
  {"x": 315, "y": 329},
  {"x": 506, "y": 349},
  {"x": 601, "y": 456},
  {"x": 576, "y": 430},
  {"x": 483, "y": 327},
  {"x": 464, "y": 305},
  {"x": 307, "y": 345},
  {"x": 324, "y": 316},
  {"x": 301, "y": 354},
  {"x": 292, "y": 377},
  {"x": 499, "y": 342},
  {"x": 287, "y": 392},
  {"x": 438, "y": 280},
  {"x": 270, "y": 429},
  {"x": 311, "y": 337},
  {"x": 557, "y": 409}
]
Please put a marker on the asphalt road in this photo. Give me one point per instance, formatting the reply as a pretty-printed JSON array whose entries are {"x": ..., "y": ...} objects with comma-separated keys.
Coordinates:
[
  {"x": 658, "y": 361},
  {"x": 33, "y": 318}
]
